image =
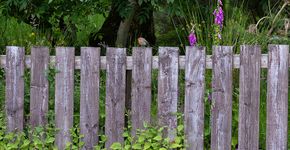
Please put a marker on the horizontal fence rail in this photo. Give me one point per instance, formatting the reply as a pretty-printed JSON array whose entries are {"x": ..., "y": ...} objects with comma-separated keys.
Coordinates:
[
  {"x": 169, "y": 62},
  {"x": 129, "y": 62}
]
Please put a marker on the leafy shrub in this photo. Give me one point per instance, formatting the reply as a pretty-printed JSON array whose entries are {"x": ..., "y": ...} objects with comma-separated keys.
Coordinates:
[{"x": 151, "y": 138}]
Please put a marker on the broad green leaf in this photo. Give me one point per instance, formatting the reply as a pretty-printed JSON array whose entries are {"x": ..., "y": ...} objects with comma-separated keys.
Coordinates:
[
  {"x": 125, "y": 134},
  {"x": 180, "y": 128},
  {"x": 50, "y": 140},
  {"x": 175, "y": 145},
  {"x": 147, "y": 145},
  {"x": 141, "y": 139},
  {"x": 178, "y": 140},
  {"x": 161, "y": 129},
  {"x": 25, "y": 144},
  {"x": 158, "y": 138},
  {"x": 116, "y": 146},
  {"x": 137, "y": 146},
  {"x": 127, "y": 147}
]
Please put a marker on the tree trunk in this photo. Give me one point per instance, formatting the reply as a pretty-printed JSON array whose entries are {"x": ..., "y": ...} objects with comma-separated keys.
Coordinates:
[
  {"x": 116, "y": 32},
  {"x": 108, "y": 32},
  {"x": 124, "y": 28}
]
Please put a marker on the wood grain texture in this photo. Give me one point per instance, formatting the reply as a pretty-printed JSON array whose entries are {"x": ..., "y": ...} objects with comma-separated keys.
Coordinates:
[
  {"x": 168, "y": 90},
  {"x": 141, "y": 87},
  {"x": 39, "y": 86},
  {"x": 129, "y": 62},
  {"x": 221, "y": 111},
  {"x": 115, "y": 95},
  {"x": 277, "y": 97},
  {"x": 89, "y": 102},
  {"x": 194, "y": 97},
  {"x": 64, "y": 89},
  {"x": 14, "y": 103},
  {"x": 249, "y": 99}
]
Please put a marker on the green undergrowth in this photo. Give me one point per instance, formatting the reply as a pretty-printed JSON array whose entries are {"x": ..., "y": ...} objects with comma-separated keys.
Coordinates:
[{"x": 150, "y": 138}]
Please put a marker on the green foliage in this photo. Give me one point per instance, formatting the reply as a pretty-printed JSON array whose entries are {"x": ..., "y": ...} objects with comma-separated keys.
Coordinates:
[
  {"x": 240, "y": 27},
  {"x": 76, "y": 139},
  {"x": 44, "y": 137},
  {"x": 14, "y": 33},
  {"x": 37, "y": 138},
  {"x": 151, "y": 138},
  {"x": 52, "y": 22}
]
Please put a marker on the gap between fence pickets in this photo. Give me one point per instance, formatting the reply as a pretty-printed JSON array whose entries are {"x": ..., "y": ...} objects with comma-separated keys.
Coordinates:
[{"x": 264, "y": 61}]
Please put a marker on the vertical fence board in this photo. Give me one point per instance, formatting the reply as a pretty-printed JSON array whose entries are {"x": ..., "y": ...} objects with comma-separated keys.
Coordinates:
[
  {"x": 115, "y": 95},
  {"x": 277, "y": 97},
  {"x": 168, "y": 89},
  {"x": 141, "y": 87},
  {"x": 39, "y": 86},
  {"x": 14, "y": 88},
  {"x": 89, "y": 102},
  {"x": 221, "y": 112},
  {"x": 64, "y": 88},
  {"x": 249, "y": 100},
  {"x": 194, "y": 97}
]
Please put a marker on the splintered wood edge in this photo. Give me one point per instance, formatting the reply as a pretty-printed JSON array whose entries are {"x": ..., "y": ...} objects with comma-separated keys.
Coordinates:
[{"x": 236, "y": 61}]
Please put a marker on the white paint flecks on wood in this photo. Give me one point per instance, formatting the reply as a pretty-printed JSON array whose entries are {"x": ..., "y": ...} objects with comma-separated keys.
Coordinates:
[
  {"x": 89, "y": 102},
  {"x": 64, "y": 88},
  {"x": 194, "y": 97},
  {"x": 168, "y": 90},
  {"x": 14, "y": 103},
  {"x": 249, "y": 100},
  {"x": 141, "y": 87},
  {"x": 39, "y": 86},
  {"x": 221, "y": 111},
  {"x": 277, "y": 97},
  {"x": 115, "y": 95}
]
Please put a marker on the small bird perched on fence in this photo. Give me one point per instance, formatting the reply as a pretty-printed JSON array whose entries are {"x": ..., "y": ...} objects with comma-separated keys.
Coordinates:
[{"x": 143, "y": 42}]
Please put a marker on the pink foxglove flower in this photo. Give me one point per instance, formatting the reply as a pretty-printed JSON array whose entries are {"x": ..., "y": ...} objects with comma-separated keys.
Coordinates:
[
  {"x": 192, "y": 39},
  {"x": 220, "y": 2},
  {"x": 218, "y": 21},
  {"x": 219, "y": 16}
]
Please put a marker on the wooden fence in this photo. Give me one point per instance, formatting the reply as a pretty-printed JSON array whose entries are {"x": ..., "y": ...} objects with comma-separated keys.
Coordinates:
[{"x": 195, "y": 62}]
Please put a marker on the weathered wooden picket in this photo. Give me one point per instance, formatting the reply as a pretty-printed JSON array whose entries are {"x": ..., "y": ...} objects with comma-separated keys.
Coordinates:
[{"x": 195, "y": 62}]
